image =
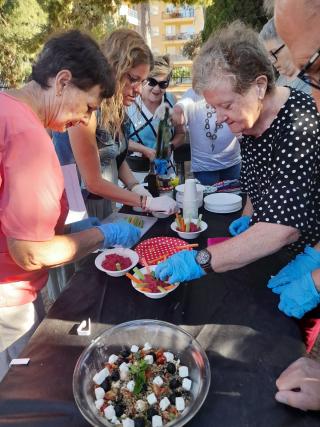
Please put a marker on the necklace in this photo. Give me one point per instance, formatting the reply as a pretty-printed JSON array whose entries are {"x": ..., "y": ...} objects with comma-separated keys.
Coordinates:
[{"x": 209, "y": 134}]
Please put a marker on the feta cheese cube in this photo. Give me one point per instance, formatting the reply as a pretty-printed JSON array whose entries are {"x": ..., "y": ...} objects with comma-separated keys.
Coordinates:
[
  {"x": 186, "y": 384},
  {"x": 169, "y": 356},
  {"x": 130, "y": 385},
  {"x": 164, "y": 403},
  {"x": 183, "y": 371},
  {"x": 101, "y": 376},
  {"x": 147, "y": 346},
  {"x": 99, "y": 392},
  {"x": 99, "y": 403},
  {"x": 109, "y": 412},
  {"x": 180, "y": 405},
  {"x": 157, "y": 421},
  {"x": 134, "y": 349},
  {"x": 141, "y": 405},
  {"x": 151, "y": 398},
  {"x": 127, "y": 422},
  {"x": 113, "y": 358},
  {"x": 158, "y": 381},
  {"x": 149, "y": 359},
  {"x": 124, "y": 371}
]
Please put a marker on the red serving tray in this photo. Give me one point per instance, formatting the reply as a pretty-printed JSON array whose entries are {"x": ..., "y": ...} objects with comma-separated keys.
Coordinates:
[{"x": 155, "y": 247}]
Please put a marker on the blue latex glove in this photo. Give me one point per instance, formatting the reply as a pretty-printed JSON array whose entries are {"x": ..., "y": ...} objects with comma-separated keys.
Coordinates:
[
  {"x": 161, "y": 166},
  {"x": 239, "y": 225},
  {"x": 84, "y": 224},
  {"x": 305, "y": 262},
  {"x": 119, "y": 233},
  {"x": 299, "y": 296},
  {"x": 180, "y": 267}
]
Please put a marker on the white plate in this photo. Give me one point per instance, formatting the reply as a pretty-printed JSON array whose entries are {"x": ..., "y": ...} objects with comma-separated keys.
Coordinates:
[
  {"x": 223, "y": 209},
  {"x": 153, "y": 295},
  {"x": 222, "y": 199},
  {"x": 125, "y": 252}
]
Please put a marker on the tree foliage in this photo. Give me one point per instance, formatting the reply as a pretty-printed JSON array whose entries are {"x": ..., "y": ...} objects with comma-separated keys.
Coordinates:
[
  {"x": 26, "y": 24},
  {"x": 192, "y": 47},
  {"x": 222, "y": 12}
]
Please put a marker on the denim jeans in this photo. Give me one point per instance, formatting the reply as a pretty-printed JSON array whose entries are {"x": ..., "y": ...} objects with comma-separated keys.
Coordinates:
[{"x": 211, "y": 177}]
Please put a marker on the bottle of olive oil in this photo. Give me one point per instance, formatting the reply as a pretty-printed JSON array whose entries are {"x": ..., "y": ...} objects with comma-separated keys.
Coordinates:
[
  {"x": 163, "y": 136},
  {"x": 152, "y": 181}
]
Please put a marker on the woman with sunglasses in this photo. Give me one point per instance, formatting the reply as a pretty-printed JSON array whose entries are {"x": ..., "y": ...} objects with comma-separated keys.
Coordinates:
[
  {"x": 281, "y": 58},
  {"x": 100, "y": 148},
  {"x": 144, "y": 124}
]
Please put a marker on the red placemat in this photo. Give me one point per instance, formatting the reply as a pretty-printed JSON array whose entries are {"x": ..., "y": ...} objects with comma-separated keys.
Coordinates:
[{"x": 156, "y": 247}]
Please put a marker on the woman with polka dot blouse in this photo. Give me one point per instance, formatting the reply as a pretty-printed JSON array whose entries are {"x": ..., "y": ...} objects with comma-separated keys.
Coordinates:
[{"x": 280, "y": 150}]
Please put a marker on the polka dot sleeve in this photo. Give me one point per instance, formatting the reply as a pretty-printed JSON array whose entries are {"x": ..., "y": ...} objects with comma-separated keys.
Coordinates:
[{"x": 281, "y": 169}]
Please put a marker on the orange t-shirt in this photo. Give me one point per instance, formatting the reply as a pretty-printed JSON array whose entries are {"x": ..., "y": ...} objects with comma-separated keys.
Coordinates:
[{"x": 33, "y": 206}]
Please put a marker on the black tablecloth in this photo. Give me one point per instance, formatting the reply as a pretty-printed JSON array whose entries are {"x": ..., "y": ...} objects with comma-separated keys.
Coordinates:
[{"x": 233, "y": 315}]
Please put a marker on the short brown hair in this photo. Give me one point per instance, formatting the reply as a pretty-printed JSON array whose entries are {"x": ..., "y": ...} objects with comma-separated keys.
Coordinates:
[{"x": 234, "y": 53}]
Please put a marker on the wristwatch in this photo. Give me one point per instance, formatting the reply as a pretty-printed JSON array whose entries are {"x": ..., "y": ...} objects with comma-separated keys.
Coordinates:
[{"x": 203, "y": 258}]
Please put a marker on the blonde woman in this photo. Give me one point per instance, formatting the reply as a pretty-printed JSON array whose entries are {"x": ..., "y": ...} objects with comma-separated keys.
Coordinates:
[
  {"x": 143, "y": 122},
  {"x": 100, "y": 148}
]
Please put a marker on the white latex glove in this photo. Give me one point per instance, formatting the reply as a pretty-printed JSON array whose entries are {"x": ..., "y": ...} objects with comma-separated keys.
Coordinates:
[
  {"x": 162, "y": 204},
  {"x": 141, "y": 190},
  {"x": 160, "y": 111}
]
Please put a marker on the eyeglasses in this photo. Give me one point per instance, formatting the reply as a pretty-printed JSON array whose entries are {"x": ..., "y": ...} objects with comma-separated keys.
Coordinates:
[
  {"x": 273, "y": 54},
  {"x": 303, "y": 75},
  {"x": 162, "y": 85},
  {"x": 134, "y": 82}
]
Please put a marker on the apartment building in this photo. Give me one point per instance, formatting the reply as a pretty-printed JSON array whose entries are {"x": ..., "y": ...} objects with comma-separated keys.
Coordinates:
[{"x": 171, "y": 27}]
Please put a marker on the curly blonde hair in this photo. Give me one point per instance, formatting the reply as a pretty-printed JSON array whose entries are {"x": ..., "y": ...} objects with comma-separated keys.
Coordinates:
[{"x": 124, "y": 50}]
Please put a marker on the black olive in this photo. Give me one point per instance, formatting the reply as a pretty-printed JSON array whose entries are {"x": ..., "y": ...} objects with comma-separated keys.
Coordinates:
[
  {"x": 144, "y": 387},
  {"x": 125, "y": 353},
  {"x": 174, "y": 383},
  {"x": 173, "y": 396},
  {"x": 151, "y": 412},
  {"x": 153, "y": 354},
  {"x": 139, "y": 422},
  {"x": 115, "y": 376},
  {"x": 106, "y": 385},
  {"x": 119, "y": 410},
  {"x": 171, "y": 368}
]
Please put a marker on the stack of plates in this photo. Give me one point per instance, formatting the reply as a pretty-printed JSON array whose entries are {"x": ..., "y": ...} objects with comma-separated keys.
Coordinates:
[{"x": 222, "y": 203}]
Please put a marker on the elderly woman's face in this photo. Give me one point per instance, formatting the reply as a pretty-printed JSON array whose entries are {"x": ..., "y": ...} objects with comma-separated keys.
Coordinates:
[
  {"x": 240, "y": 112},
  {"x": 154, "y": 90},
  {"x": 73, "y": 106},
  {"x": 134, "y": 80}
]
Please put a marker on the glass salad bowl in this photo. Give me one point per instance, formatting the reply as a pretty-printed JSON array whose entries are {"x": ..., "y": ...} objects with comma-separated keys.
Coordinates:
[{"x": 157, "y": 334}]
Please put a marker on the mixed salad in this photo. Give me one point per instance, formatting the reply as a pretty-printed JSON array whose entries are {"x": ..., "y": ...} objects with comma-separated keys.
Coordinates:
[
  {"x": 148, "y": 282},
  {"x": 142, "y": 387},
  {"x": 188, "y": 226}
]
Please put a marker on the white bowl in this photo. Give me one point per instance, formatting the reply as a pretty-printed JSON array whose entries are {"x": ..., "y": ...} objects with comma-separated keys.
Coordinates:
[
  {"x": 125, "y": 252},
  {"x": 190, "y": 235},
  {"x": 180, "y": 188},
  {"x": 153, "y": 295},
  {"x": 160, "y": 214}
]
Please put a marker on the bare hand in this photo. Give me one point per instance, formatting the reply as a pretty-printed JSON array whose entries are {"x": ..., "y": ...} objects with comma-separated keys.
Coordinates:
[
  {"x": 149, "y": 153},
  {"x": 304, "y": 375}
]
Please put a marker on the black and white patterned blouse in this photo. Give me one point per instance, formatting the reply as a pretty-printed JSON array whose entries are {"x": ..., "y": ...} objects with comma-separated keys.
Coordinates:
[{"x": 280, "y": 170}]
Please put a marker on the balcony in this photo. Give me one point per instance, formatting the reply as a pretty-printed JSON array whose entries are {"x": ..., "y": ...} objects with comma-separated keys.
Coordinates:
[
  {"x": 130, "y": 14},
  {"x": 187, "y": 13},
  {"x": 178, "y": 37}
]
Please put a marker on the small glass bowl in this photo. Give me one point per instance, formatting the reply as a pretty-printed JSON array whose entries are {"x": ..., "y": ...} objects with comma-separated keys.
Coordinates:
[{"x": 160, "y": 335}]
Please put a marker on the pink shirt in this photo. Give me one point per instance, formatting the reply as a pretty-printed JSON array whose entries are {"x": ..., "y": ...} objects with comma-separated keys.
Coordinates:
[{"x": 32, "y": 201}]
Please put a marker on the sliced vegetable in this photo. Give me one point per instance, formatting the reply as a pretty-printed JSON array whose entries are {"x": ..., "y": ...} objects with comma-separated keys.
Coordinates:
[{"x": 138, "y": 273}]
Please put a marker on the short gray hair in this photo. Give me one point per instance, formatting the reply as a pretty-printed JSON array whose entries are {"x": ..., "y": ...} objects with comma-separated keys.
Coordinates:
[
  {"x": 234, "y": 53},
  {"x": 269, "y": 32}
]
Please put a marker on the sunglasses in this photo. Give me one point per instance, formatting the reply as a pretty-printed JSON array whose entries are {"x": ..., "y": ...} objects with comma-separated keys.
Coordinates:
[
  {"x": 273, "y": 54},
  {"x": 303, "y": 75},
  {"x": 162, "y": 85}
]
